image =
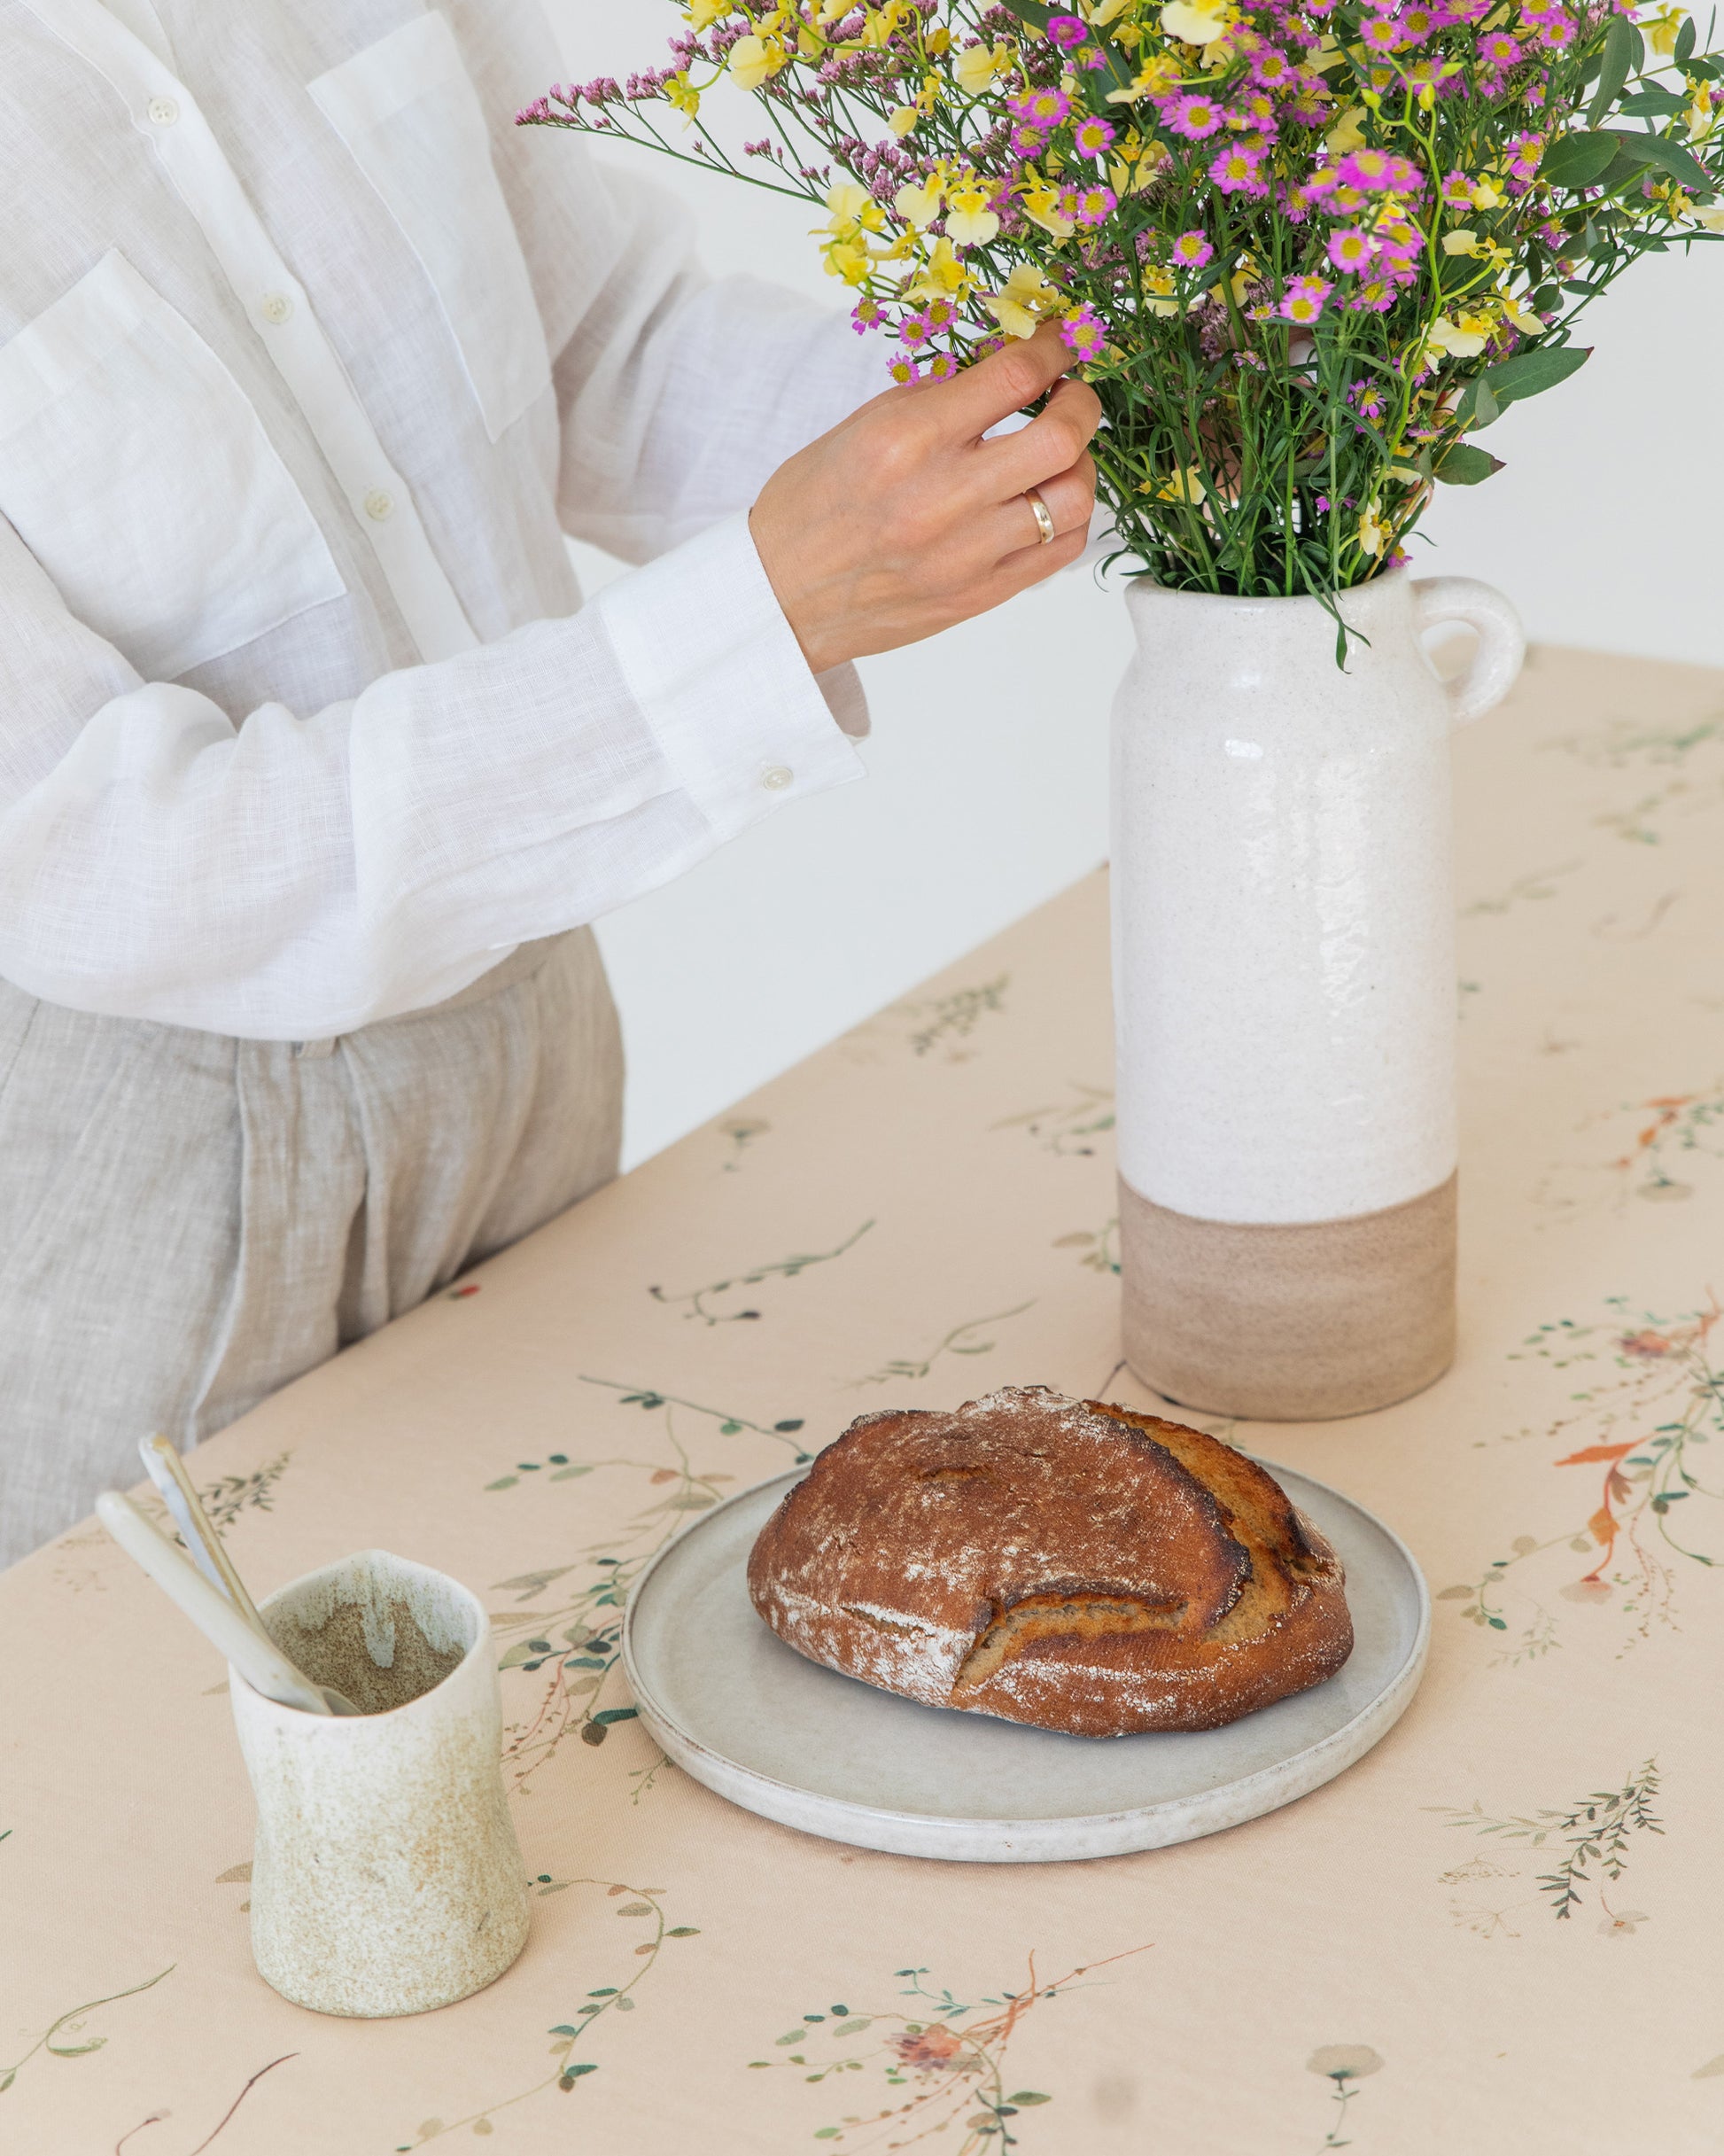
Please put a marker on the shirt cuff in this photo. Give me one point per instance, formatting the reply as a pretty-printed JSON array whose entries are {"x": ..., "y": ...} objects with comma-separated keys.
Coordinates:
[{"x": 711, "y": 661}]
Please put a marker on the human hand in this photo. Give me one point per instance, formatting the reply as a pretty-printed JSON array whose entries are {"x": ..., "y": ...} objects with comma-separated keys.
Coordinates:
[{"x": 902, "y": 520}]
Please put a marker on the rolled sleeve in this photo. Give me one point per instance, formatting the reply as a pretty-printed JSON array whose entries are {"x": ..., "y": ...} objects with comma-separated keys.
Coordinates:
[{"x": 739, "y": 718}]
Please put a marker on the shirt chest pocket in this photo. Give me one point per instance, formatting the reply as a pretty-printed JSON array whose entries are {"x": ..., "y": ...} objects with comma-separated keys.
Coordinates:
[
  {"x": 408, "y": 113},
  {"x": 136, "y": 469}
]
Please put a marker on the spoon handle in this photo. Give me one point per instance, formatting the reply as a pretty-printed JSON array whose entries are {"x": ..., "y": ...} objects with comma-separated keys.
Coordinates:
[
  {"x": 252, "y": 1653},
  {"x": 167, "y": 1471}
]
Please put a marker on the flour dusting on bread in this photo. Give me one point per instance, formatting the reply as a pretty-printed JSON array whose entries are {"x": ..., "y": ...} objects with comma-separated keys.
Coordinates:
[{"x": 1068, "y": 1563}]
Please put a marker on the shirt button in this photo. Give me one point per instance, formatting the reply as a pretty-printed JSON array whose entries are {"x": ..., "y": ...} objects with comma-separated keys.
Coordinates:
[
  {"x": 377, "y": 505},
  {"x": 275, "y": 306},
  {"x": 777, "y": 776},
  {"x": 163, "y": 112}
]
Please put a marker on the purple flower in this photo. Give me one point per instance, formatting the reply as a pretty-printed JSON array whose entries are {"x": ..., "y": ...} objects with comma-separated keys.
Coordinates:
[
  {"x": 1040, "y": 108},
  {"x": 1379, "y": 172},
  {"x": 1067, "y": 30},
  {"x": 1193, "y": 117},
  {"x": 1083, "y": 334},
  {"x": 1351, "y": 249},
  {"x": 1303, "y": 299},
  {"x": 1239, "y": 171}
]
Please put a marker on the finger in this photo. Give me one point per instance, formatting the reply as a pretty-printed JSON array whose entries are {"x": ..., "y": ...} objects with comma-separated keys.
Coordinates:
[
  {"x": 980, "y": 396},
  {"x": 1051, "y": 443},
  {"x": 1030, "y": 565},
  {"x": 1069, "y": 498}
]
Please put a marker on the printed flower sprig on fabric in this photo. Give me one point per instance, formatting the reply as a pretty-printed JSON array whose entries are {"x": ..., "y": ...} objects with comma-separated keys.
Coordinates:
[{"x": 1301, "y": 248}]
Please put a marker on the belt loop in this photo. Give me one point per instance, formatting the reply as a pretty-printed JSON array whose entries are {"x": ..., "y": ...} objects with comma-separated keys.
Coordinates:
[{"x": 307, "y": 1051}]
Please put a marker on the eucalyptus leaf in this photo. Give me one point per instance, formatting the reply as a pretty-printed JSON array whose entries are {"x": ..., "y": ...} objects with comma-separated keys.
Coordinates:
[
  {"x": 1030, "y": 11},
  {"x": 1668, "y": 156},
  {"x": 1529, "y": 374},
  {"x": 1685, "y": 39},
  {"x": 1479, "y": 406},
  {"x": 1613, "y": 70},
  {"x": 1578, "y": 160},
  {"x": 1465, "y": 466},
  {"x": 1654, "y": 101}
]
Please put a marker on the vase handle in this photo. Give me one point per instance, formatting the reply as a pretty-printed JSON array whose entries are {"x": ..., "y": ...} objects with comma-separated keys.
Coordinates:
[{"x": 1502, "y": 639}]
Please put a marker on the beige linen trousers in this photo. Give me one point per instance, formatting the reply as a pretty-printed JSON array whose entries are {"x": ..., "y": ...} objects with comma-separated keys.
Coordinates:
[{"x": 189, "y": 1220}]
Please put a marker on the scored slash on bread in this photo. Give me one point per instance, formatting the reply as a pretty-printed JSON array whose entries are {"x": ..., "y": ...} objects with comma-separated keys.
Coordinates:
[{"x": 1071, "y": 1564}]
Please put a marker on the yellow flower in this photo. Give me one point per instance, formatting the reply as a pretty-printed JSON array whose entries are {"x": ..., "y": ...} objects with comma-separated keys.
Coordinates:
[
  {"x": 919, "y": 205},
  {"x": 1711, "y": 218},
  {"x": 848, "y": 259},
  {"x": 1021, "y": 300},
  {"x": 1185, "y": 486},
  {"x": 1461, "y": 340},
  {"x": 1463, "y": 241},
  {"x": 1161, "y": 72},
  {"x": 1041, "y": 205},
  {"x": 969, "y": 219},
  {"x": 1373, "y": 534},
  {"x": 1158, "y": 283},
  {"x": 904, "y": 118},
  {"x": 1195, "y": 22},
  {"x": 976, "y": 67},
  {"x": 942, "y": 274},
  {"x": 1346, "y": 133},
  {"x": 1523, "y": 318},
  {"x": 1110, "y": 11},
  {"x": 753, "y": 58},
  {"x": 700, "y": 12},
  {"x": 681, "y": 93},
  {"x": 1487, "y": 196},
  {"x": 938, "y": 41},
  {"x": 1662, "y": 30},
  {"x": 848, "y": 204}
]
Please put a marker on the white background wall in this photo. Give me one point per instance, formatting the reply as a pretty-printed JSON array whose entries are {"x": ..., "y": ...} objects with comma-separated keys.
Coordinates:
[{"x": 987, "y": 785}]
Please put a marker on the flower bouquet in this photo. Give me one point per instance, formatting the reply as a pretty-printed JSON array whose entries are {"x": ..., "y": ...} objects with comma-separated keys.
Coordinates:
[{"x": 1304, "y": 250}]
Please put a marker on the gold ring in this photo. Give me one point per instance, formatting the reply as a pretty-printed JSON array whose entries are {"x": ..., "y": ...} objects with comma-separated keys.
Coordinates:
[{"x": 1043, "y": 516}]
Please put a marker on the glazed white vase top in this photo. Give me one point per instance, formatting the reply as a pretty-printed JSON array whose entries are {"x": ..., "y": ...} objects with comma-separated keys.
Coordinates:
[
  {"x": 387, "y": 1877},
  {"x": 1285, "y": 986}
]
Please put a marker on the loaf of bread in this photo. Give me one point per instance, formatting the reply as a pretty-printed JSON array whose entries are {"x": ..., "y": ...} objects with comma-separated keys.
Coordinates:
[{"x": 1081, "y": 1566}]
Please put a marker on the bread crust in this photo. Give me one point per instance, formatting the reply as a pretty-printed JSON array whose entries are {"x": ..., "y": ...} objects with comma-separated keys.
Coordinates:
[{"x": 1072, "y": 1564}]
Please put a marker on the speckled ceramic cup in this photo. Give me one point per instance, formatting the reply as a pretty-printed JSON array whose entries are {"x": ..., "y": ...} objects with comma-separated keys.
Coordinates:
[{"x": 387, "y": 1877}]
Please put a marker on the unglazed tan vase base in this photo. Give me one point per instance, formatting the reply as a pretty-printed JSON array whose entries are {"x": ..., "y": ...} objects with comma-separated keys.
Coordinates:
[{"x": 1289, "y": 1324}]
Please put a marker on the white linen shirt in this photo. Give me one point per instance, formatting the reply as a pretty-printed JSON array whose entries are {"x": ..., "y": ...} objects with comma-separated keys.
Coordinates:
[{"x": 308, "y": 357}]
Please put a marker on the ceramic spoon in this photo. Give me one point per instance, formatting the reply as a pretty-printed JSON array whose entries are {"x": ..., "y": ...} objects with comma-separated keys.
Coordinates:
[
  {"x": 203, "y": 1546},
  {"x": 161, "y": 1457},
  {"x": 247, "y": 1646}
]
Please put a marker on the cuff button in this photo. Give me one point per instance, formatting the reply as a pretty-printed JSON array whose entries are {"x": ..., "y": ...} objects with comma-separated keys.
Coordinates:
[{"x": 776, "y": 777}]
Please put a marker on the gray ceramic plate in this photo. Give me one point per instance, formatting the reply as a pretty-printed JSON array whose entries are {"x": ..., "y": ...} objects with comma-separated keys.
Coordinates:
[{"x": 755, "y": 1721}]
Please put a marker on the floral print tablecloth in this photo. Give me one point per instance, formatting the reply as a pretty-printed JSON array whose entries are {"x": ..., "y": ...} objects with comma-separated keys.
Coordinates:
[{"x": 1504, "y": 1929}]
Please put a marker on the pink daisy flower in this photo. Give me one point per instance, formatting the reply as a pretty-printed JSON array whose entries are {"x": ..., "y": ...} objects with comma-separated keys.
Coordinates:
[
  {"x": 1092, "y": 136},
  {"x": 1095, "y": 205},
  {"x": 1191, "y": 250},
  {"x": 1350, "y": 250},
  {"x": 1083, "y": 334},
  {"x": 1499, "y": 51},
  {"x": 1239, "y": 171},
  {"x": 1040, "y": 108},
  {"x": 1193, "y": 117},
  {"x": 1303, "y": 299}
]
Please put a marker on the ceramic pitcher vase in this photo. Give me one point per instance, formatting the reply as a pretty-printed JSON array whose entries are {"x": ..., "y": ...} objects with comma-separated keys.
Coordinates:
[{"x": 1284, "y": 992}]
